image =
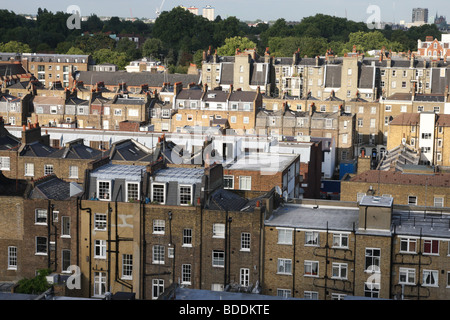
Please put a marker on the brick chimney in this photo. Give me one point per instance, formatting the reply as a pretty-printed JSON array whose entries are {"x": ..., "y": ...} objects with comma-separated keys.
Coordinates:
[{"x": 177, "y": 87}]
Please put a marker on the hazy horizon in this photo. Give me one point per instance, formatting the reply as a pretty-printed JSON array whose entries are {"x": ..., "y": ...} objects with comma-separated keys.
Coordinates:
[{"x": 247, "y": 10}]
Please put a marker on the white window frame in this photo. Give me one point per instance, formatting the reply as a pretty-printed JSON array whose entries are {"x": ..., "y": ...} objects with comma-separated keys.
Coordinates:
[
  {"x": 340, "y": 240},
  {"x": 99, "y": 249},
  {"x": 12, "y": 258},
  {"x": 183, "y": 201},
  {"x": 406, "y": 245},
  {"x": 40, "y": 214},
  {"x": 431, "y": 242},
  {"x": 375, "y": 260},
  {"x": 218, "y": 230},
  {"x": 48, "y": 169},
  {"x": 108, "y": 190},
  {"x": 245, "y": 241},
  {"x": 339, "y": 270},
  {"x": 99, "y": 284},
  {"x": 42, "y": 253},
  {"x": 73, "y": 172},
  {"x": 29, "y": 169},
  {"x": 412, "y": 196},
  {"x": 186, "y": 274},
  {"x": 218, "y": 258},
  {"x": 314, "y": 235},
  {"x": 159, "y": 226},
  {"x": 65, "y": 231},
  {"x": 309, "y": 267},
  {"x": 5, "y": 163},
  {"x": 284, "y": 266},
  {"x": 245, "y": 182},
  {"x": 164, "y": 192},
  {"x": 157, "y": 288},
  {"x": 127, "y": 187},
  {"x": 127, "y": 266},
  {"x": 244, "y": 277},
  {"x": 100, "y": 222},
  {"x": 285, "y": 236},
  {"x": 231, "y": 178},
  {"x": 187, "y": 237},
  {"x": 158, "y": 254},
  {"x": 406, "y": 274},
  {"x": 439, "y": 202}
]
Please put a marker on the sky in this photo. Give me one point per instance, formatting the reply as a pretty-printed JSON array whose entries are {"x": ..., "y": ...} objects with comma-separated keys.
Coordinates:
[{"x": 245, "y": 10}]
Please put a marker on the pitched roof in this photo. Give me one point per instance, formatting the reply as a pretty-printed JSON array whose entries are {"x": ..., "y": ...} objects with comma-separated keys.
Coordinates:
[
  {"x": 135, "y": 78},
  {"x": 54, "y": 188}
]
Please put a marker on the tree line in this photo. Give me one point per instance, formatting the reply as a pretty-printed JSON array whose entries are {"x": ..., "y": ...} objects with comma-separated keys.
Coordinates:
[{"x": 178, "y": 37}]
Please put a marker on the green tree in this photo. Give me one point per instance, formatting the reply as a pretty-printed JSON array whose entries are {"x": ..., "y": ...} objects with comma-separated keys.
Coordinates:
[
  {"x": 110, "y": 56},
  {"x": 75, "y": 51},
  {"x": 152, "y": 47},
  {"x": 36, "y": 285},
  {"x": 307, "y": 46},
  {"x": 231, "y": 44},
  {"x": 14, "y": 46}
]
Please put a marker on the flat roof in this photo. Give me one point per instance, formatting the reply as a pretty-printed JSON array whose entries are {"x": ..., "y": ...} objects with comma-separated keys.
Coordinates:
[
  {"x": 315, "y": 217},
  {"x": 262, "y": 161},
  {"x": 376, "y": 201}
]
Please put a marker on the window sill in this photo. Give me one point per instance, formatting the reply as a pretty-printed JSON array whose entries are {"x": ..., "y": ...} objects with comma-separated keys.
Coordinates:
[
  {"x": 12, "y": 268},
  {"x": 40, "y": 254},
  {"x": 65, "y": 237},
  {"x": 186, "y": 246}
]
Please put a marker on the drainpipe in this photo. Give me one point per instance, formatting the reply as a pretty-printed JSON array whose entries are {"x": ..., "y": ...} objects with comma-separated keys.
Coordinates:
[{"x": 89, "y": 210}]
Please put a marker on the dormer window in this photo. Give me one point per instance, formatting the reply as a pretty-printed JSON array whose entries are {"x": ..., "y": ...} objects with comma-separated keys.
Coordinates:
[
  {"x": 211, "y": 95},
  {"x": 104, "y": 190},
  {"x": 185, "y": 193}
]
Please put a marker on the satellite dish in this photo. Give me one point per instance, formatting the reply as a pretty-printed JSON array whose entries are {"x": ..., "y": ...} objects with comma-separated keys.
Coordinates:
[{"x": 278, "y": 190}]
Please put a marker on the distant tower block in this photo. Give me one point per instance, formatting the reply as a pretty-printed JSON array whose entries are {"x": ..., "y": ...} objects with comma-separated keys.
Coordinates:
[{"x": 208, "y": 13}]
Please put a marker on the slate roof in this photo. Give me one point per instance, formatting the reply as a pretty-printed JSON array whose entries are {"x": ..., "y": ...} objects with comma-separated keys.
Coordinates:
[
  {"x": 366, "y": 78},
  {"x": 225, "y": 200},
  {"x": 130, "y": 150},
  {"x": 190, "y": 94},
  {"x": 333, "y": 76},
  {"x": 247, "y": 96},
  {"x": 135, "y": 78},
  {"x": 119, "y": 171},
  {"x": 36, "y": 149},
  {"x": 258, "y": 77},
  {"x": 429, "y": 97},
  {"x": 54, "y": 188},
  {"x": 77, "y": 101},
  {"x": 227, "y": 73},
  {"x": 219, "y": 96},
  {"x": 76, "y": 151},
  {"x": 438, "y": 83},
  {"x": 182, "y": 175},
  {"x": 12, "y": 187}
]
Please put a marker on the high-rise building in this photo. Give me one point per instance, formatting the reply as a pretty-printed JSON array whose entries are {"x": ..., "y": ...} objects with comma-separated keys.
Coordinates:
[
  {"x": 420, "y": 15},
  {"x": 208, "y": 13}
]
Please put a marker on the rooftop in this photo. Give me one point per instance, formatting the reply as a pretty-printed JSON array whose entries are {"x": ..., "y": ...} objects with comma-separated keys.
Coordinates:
[
  {"x": 264, "y": 162},
  {"x": 119, "y": 171},
  {"x": 182, "y": 175},
  {"x": 402, "y": 178},
  {"x": 315, "y": 217}
]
